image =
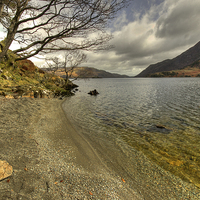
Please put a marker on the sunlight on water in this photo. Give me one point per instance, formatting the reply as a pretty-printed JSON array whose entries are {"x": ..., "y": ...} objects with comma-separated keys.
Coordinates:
[{"x": 160, "y": 117}]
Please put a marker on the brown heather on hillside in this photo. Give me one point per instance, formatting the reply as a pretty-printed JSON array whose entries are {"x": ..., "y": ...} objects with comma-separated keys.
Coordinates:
[{"x": 88, "y": 72}]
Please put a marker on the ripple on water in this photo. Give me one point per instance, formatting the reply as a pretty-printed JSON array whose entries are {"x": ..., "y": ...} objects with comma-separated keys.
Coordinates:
[{"x": 131, "y": 109}]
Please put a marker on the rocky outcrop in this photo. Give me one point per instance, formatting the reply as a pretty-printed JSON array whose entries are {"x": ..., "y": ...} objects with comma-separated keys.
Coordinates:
[
  {"x": 29, "y": 92},
  {"x": 94, "y": 92},
  {"x": 26, "y": 65}
]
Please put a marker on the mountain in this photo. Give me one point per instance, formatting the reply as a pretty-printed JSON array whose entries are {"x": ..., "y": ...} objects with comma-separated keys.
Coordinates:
[
  {"x": 183, "y": 60},
  {"x": 88, "y": 72},
  {"x": 192, "y": 70}
]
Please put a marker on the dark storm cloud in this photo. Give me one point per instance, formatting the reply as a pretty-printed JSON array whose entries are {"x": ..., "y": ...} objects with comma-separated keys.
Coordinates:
[{"x": 182, "y": 20}]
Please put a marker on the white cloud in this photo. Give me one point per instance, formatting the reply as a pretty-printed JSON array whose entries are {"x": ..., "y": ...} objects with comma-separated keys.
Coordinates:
[{"x": 120, "y": 21}]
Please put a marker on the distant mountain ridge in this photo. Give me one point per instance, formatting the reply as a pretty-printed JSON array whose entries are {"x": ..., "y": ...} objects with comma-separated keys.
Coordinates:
[
  {"x": 183, "y": 60},
  {"x": 89, "y": 72}
]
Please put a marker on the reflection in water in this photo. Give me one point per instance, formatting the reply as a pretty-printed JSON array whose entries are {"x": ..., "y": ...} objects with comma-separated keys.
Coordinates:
[{"x": 131, "y": 109}]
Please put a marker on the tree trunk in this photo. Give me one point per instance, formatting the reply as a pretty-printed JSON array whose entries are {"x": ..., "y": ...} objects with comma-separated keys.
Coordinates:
[
  {"x": 8, "y": 41},
  {"x": 1, "y": 7},
  {"x": 66, "y": 78},
  {"x": 11, "y": 31}
]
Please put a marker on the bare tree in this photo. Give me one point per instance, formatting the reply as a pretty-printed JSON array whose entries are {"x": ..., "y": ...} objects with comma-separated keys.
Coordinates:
[
  {"x": 55, "y": 25},
  {"x": 72, "y": 60},
  {"x": 53, "y": 64}
]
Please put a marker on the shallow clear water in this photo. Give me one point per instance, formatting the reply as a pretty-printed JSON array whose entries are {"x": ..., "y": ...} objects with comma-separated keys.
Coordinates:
[{"x": 131, "y": 109}]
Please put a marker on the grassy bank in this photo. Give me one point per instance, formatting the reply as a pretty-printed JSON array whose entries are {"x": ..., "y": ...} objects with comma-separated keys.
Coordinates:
[{"x": 23, "y": 78}]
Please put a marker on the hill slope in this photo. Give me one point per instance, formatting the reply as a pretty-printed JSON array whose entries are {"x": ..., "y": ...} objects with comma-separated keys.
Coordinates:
[
  {"x": 192, "y": 70},
  {"x": 89, "y": 72},
  {"x": 185, "y": 59},
  {"x": 24, "y": 79}
]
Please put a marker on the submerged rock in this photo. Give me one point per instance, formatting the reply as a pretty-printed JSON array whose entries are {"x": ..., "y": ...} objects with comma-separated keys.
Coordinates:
[
  {"x": 5, "y": 169},
  {"x": 160, "y": 126}
]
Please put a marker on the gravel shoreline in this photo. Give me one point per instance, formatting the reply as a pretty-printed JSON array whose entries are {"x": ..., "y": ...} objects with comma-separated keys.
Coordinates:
[{"x": 52, "y": 161}]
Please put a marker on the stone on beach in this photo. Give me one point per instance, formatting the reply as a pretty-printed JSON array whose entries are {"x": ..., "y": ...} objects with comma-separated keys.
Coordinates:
[{"x": 5, "y": 169}]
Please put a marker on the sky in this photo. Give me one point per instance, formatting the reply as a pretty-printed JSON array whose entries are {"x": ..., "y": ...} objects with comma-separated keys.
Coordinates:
[{"x": 147, "y": 32}]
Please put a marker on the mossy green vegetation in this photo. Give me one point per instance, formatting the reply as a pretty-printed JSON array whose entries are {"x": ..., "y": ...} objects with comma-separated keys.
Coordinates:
[{"x": 23, "y": 78}]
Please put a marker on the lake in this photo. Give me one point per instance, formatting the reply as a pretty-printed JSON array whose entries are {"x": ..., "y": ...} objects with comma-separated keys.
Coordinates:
[{"x": 157, "y": 116}]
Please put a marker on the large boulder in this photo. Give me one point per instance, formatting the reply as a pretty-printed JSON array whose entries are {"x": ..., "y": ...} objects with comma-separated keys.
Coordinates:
[{"x": 27, "y": 65}]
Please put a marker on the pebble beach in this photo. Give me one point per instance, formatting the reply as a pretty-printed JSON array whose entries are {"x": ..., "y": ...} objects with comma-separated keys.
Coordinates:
[{"x": 52, "y": 160}]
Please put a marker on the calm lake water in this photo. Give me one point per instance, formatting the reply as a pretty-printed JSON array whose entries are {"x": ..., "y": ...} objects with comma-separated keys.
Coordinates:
[{"x": 131, "y": 110}]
